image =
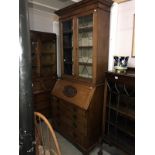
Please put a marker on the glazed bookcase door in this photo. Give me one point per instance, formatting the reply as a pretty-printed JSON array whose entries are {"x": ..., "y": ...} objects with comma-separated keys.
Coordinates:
[
  {"x": 67, "y": 41},
  {"x": 35, "y": 52},
  {"x": 47, "y": 58},
  {"x": 85, "y": 46}
]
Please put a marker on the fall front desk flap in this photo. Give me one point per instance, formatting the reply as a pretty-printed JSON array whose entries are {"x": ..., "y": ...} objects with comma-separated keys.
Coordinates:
[{"x": 77, "y": 94}]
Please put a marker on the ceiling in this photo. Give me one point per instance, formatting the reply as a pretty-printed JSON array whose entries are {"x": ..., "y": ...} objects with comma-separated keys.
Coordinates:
[{"x": 50, "y": 5}]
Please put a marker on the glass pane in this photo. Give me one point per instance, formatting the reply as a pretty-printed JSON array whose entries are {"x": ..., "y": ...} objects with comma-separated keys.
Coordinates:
[
  {"x": 85, "y": 30},
  {"x": 85, "y": 55},
  {"x": 85, "y": 48},
  {"x": 85, "y": 21},
  {"x": 85, "y": 38},
  {"x": 67, "y": 26},
  {"x": 85, "y": 71},
  {"x": 68, "y": 47}
]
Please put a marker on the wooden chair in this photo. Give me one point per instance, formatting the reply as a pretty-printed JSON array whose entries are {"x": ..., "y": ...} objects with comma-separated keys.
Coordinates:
[{"x": 46, "y": 141}]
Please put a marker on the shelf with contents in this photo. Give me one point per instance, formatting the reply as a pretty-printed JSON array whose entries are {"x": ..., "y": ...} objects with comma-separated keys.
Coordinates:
[
  {"x": 85, "y": 29},
  {"x": 120, "y": 121},
  {"x": 85, "y": 21},
  {"x": 85, "y": 63},
  {"x": 85, "y": 76},
  {"x": 85, "y": 46},
  {"x": 128, "y": 130},
  {"x": 123, "y": 111},
  {"x": 85, "y": 40},
  {"x": 85, "y": 60},
  {"x": 122, "y": 103}
]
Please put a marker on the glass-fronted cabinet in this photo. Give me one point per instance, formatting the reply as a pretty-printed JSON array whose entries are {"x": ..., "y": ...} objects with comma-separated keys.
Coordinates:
[
  {"x": 84, "y": 42},
  {"x": 78, "y": 61},
  {"x": 84, "y": 32},
  {"x": 85, "y": 46}
]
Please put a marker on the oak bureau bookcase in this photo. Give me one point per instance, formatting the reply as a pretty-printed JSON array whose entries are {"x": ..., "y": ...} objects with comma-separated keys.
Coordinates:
[{"x": 77, "y": 98}]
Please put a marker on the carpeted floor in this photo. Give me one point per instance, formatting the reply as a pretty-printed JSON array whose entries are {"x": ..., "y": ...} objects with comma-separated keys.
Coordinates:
[{"x": 68, "y": 149}]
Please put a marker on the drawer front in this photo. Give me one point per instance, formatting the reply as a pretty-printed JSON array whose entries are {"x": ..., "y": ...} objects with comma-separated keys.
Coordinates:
[
  {"x": 73, "y": 124},
  {"x": 68, "y": 132},
  {"x": 68, "y": 107},
  {"x": 69, "y": 117}
]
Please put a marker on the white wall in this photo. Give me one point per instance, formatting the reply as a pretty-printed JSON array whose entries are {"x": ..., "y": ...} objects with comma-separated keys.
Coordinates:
[
  {"x": 56, "y": 30},
  {"x": 121, "y": 31},
  {"x": 41, "y": 20}
]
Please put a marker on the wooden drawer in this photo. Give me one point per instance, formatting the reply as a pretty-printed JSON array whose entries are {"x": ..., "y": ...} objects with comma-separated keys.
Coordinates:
[
  {"x": 68, "y": 132},
  {"x": 71, "y": 115},
  {"x": 73, "y": 124},
  {"x": 71, "y": 120},
  {"x": 68, "y": 107},
  {"x": 73, "y": 109}
]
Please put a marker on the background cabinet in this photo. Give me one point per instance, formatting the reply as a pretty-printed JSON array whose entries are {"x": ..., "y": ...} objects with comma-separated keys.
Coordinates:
[
  {"x": 44, "y": 71},
  {"x": 77, "y": 96},
  {"x": 119, "y": 111}
]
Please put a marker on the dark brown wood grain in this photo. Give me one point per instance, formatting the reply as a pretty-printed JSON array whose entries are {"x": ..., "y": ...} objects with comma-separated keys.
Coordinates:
[
  {"x": 121, "y": 109},
  {"x": 44, "y": 71}
]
